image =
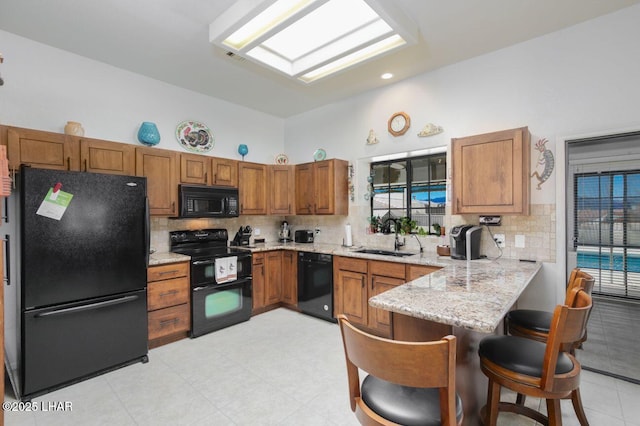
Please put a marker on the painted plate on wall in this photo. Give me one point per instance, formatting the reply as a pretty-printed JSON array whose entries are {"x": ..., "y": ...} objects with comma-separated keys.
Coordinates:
[
  {"x": 194, "y": 136},
  {"x": 282, "y": 159}
]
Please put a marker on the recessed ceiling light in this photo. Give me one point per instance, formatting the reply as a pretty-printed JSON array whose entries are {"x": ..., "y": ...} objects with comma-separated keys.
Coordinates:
[
  {"x": 311, "y": 39},
  {"x": 386, "y": 76}
]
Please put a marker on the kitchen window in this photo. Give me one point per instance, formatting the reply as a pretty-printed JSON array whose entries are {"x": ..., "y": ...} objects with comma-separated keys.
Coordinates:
[{"x": 412, "y": 187}]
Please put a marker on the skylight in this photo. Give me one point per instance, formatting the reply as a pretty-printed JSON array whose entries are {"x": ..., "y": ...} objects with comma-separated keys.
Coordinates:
[{"x": 311, "y": 39}]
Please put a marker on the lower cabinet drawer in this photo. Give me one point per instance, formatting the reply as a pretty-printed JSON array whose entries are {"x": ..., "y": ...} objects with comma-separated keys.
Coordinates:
[
  {"x": 161, "y": 294},
  {"x": 168, "y": 321}
]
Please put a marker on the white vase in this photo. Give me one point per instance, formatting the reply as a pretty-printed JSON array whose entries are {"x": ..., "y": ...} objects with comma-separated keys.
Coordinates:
[{"x": 73, "y": 128}]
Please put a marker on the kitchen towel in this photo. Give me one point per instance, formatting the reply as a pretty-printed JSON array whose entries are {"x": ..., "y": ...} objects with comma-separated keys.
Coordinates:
[
  {"x": 232, "y": 268},
  {"x": 226, "y": 269},
  {"x": 222, "y": 269}
]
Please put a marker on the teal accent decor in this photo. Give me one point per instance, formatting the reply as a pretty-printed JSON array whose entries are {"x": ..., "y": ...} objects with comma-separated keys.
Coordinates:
[{"x": 148, "y": 134}]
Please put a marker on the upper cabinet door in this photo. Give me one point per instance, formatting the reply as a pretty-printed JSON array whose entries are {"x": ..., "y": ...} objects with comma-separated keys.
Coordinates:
[
  {"x": 195, "y": 169},
  {"x": 98, "y": 156},
  {"x": 491, "y": 173},
  {"x": 304, "y": 189},
  {"x": 159, "y": 166},
  {"x": 281, "y": 190},
  {"x": 253, "y": 188},
  {"x": 45, "y": 150},
  {"x": 225, "y": 172}
]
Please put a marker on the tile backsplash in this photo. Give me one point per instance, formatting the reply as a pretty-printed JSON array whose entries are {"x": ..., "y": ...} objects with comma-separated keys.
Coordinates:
[{"x": 538, "y": 229}]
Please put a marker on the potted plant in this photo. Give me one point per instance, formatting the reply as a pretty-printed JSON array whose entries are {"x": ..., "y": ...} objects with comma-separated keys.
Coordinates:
[
  {"x": 374, "y": 224},
  {"x": 407, "y": 225}
]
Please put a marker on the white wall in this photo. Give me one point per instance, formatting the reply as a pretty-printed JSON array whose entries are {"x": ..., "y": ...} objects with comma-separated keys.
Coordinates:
[
  {"x": 46, "y": 87},
  {"x": 581, "y": 80}
]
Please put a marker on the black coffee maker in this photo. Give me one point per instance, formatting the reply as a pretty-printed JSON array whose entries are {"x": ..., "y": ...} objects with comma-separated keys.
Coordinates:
[
  {"x": 465, "y": 242},
  {"x": 242, "y": 236}
]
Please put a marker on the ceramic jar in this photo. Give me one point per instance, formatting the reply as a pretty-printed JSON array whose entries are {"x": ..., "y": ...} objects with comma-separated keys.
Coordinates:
[
  {"x": 73, "y": 128},
  {"x": 148, "y": 133}
]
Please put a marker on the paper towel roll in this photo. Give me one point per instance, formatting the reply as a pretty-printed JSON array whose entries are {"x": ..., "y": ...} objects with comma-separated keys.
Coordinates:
[{"x": 347, "y": 235}]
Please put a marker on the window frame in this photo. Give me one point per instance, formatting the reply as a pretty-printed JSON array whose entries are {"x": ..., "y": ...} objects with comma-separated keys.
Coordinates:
[{"x": 408, "y": 189}]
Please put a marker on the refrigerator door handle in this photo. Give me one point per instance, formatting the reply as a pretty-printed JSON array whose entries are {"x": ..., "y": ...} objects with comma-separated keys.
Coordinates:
[
  {"x": 89, "y": 307},
  {"x": 147, "y": 230},
  {"x": 7, "y": 259}
]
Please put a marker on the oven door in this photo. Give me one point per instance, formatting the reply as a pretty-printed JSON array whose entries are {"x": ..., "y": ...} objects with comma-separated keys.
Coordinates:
[
  {"x": 218, "y": 306},
  {"x": 203, "y": 272}
]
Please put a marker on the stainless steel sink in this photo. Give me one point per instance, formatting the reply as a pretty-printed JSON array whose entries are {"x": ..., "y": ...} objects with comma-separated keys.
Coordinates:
[{"x": 385, "y": 252}]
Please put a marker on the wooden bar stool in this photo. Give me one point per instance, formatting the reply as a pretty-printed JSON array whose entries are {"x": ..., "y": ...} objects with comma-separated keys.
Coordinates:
[
  {"x": 542, "y": 370},
  {"x": 535, "y": 324},
  {"x": 409, "y": 383}
]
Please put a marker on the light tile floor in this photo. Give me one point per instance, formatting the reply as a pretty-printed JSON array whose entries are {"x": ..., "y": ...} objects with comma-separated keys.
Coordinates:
[{"x": 279, "y": 368}]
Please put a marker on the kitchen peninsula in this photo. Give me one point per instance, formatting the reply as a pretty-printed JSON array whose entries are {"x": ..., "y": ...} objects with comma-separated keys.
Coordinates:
[{"x": 466, "y": 299}]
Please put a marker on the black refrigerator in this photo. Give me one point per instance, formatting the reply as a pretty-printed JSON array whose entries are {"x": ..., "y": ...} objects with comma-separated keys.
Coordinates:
[{"x": 84, "y": 241}]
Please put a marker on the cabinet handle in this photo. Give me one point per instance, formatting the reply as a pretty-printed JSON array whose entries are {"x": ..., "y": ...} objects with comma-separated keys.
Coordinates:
[
  {"x": 206, "y": 175},
  {"x": 173, "y": 271},
  {"x": 68, "y": 163},
  {"x": 169, "y": 293},
  {"x": 171, "y": 321},
  {"x": 215, "y": 178},
  {"x": 173, "y": 207},
  {"x": 372, "y": 283},
  {"x": 85, "y": 164}
]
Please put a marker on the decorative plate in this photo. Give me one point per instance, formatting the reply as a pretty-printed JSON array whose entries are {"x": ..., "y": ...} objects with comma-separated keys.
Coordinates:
[
  {"x": 282, "y": 159},
  {"x": 319, "y": 155},
  {"x": 194, "y": 136}
]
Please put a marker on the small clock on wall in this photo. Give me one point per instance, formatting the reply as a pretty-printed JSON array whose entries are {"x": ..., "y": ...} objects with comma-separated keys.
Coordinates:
[{"x": 399, "y": 123}]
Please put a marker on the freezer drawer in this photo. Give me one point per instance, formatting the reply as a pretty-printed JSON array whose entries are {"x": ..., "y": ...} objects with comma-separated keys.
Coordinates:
[{"x": 65, "y": 343}]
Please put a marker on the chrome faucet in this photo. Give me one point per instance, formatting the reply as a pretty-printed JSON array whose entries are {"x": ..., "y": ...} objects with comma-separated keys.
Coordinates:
[
  {"x": 396, "y": 242},
  {"x": 419, "y": 243}
]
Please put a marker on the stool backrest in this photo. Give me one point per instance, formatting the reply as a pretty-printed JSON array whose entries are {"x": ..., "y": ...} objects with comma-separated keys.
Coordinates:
[
  {"x": 579, "y": 279},
  {"x": 568, "y": 325},
  {"x": 415, "y": 364}
]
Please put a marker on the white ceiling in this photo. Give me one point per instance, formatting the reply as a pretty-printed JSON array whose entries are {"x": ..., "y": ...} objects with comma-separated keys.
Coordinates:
[{"x": 168, "y": 40}]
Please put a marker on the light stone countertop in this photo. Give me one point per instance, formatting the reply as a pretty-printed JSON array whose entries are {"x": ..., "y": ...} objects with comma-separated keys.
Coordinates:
[
  {"x": 161, "y": 258},
  {"x": 474, "y": 295}
]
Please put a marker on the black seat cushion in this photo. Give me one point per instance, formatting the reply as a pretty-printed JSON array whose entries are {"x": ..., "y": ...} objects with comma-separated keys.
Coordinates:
[
  {"x": 520, "y": 355},
  {"x": 533, "y": 320},
  {"x": 404, "y": 405}
]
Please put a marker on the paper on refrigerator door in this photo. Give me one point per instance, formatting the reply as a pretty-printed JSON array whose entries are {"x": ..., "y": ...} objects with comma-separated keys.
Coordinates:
[{"x": 54, "y": 204}]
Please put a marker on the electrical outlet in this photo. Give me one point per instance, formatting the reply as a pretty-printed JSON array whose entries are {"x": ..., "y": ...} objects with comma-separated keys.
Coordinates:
[
  {"x": 520, "y": 241},
  {"x": 499, "y": 239},
  {"x": 256, "y": 231}
]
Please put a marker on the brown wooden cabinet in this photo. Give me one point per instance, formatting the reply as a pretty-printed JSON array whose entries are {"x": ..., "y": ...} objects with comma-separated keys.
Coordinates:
[
  {"x": 159, "y": 166},
  {"x": 357, "y": 280},
  {"x": 350, "y": 289},
  {"x": 273, "y": 281},
  {"x": 490, "y": 173},
  {"x": 383, "y": 276},
  {"x": 252, "y": 188},
  {"x": 195, "y": 169},
  {"x": 281, "y": 190},
  {"x": 322, "y": 188},
  {"x": 203, "y": 170},
  {"x": 98, "y": 156},
  {"x": 45, "y": 150},
  {"x": 416, "y": 271},
  {"x": 225, "y": 172},
  {"x": 258, "y": 281},
  {"x": 168, "y": 302},
  {"x": 290, "y": 277}
]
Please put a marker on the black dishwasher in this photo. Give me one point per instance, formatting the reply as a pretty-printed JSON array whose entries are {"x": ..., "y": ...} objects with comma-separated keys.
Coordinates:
[{"x": 315, "y": 285}]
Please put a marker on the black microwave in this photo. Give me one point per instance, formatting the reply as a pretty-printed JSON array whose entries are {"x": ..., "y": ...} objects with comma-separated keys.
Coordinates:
[{"x": 207, "y": 201}]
